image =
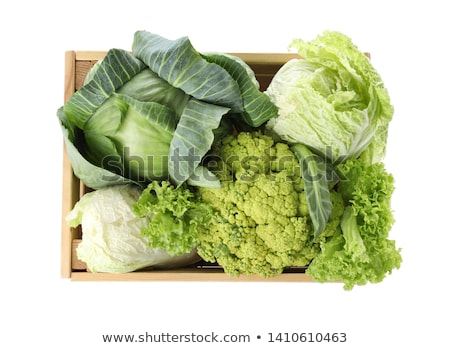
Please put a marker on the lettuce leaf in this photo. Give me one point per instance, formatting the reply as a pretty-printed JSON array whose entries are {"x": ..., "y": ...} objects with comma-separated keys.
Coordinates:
[
  {"x": 175, "y": 217},
  {"x": 360, "y": 251}
]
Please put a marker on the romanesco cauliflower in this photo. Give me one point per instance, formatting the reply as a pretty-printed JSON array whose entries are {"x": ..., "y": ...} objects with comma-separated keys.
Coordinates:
[{"x": 261, "y": 223}]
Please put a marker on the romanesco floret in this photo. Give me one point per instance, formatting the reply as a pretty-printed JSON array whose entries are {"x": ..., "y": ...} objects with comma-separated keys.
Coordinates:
[{"x": 261, "y": 223}]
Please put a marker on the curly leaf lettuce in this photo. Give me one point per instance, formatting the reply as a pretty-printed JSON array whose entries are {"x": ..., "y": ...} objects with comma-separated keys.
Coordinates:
[
  {"x": 360, "y": 251},
  {"x": 175, "y": 216}
]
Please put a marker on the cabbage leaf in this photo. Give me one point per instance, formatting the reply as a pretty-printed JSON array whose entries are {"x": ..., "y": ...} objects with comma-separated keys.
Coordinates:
[
  {"x": 193, "y": 138},
  {"x": 257, "y": 107},
  {"x": 117, "y": 68},
  {"x": 91, "y": 175},
  {"x": 331, "y": 99},
  {"x": 139, "y": 112},
  {"x": 314, "y": 173},
  {"x": 177, "y": 62}
]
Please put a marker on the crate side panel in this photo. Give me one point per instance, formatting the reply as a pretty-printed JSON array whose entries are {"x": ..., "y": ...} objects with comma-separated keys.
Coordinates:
[
  {"x": 190, "y": 275},
  {"x": 70, "y": 189}
]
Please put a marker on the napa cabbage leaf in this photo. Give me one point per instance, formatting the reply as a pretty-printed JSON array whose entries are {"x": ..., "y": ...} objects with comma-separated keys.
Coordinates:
[{"x": 331, "y": 99}]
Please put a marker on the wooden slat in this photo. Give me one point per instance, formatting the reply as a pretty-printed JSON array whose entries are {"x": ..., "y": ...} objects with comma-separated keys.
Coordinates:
[
  {"x": 250, "y": 58},
  {"x": 70, "y": 189},
  {"x": 256, "y": 59},
  {"x": 90, "y": 55},
  {"x": 69, "y": 75},
  {"x": 188, "y": 274},
  {"x": 77, "y": 265},
  {"x": 71, "y": 195},
  {"x": 82, "y": 68}
]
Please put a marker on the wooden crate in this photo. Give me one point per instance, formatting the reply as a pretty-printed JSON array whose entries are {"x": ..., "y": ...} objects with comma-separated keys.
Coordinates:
[{"x": 78, "y": 63}]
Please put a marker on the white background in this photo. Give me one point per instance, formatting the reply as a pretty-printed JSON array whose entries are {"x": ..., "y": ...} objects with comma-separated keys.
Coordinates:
[{"x": 408, "y": 42}]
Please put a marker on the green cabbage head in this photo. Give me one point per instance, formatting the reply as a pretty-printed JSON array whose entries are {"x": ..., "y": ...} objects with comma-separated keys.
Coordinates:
[{"x": 153, "y": 114}]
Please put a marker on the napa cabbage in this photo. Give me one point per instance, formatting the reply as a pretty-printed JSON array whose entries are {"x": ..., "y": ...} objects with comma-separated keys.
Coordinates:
[
  {"x": 332, "y": 100},
  {"x": 112, "y": 233}
]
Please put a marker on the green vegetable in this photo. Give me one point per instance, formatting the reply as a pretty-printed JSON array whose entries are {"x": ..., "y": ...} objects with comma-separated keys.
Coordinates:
[
  {"x": 152, "y": 114},
  {"x": 92, "y": 175},
  {"x": 175, "y": 217},
  {"x": 131, "y": 138},
  {"x": 112, "y": 240},
  {"x": 116, "y": 69},
  {"x": 257, "y": 107},
  {"x": 261, "y": 223},
  {"x": 316, "y": 187},
  {"x": 135, "y": 129},
  {"x": 177, "y": 62},
  {"x": 360, "y": 251},
  {"x": 299, "y": 183},
  {"x": 332, "y": 100}
]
